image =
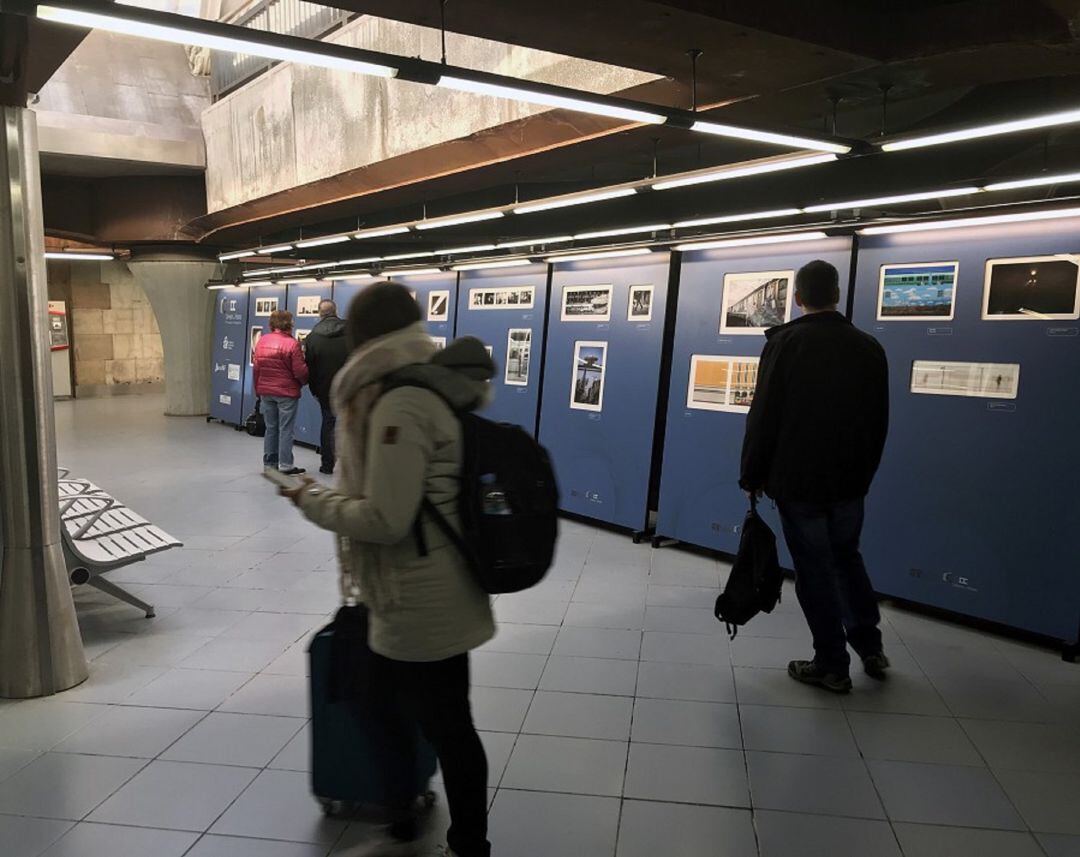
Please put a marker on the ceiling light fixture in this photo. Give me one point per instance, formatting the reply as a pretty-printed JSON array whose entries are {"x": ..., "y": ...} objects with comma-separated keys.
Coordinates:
[
  {"x": 276, "y": 248},
  {"x": 1049, "y": 120},
  {"x": 322, "y": 242},
  {"x": 411, "y": 273},
  {"x": 629, "y": 230},
  {"x": 737, "y": 172},
  {"x": 1019, "y": 217},
  {"x": 533, "y": 242},
  {"x": 299, "y": 281},
  {"x": 81, "y": 257},
  {"x": 736, "y": 132},
  {"x": 1036, "y": 181},
  {"x": 500, "y": 263},
  {"x": 358, "y": 276},
  {"x": 736, "y": 218},
  {"x": 439, "y": 223},
  {"x": 380, "y": 231},
  {"x": 261, "y": 272},
  {"x": 177, "y": 29},
  {"x": 887, "y": 200},
  {"x": 575, "y": 199},
  {"x": 239, "y": 254},
  {"x": 397, "y": 257},
  {"x": 722, "y": 243},
  {"x": 255, "y": 284},
  {"x": 606, "y": 254},
  {"x": 476, "y": 248},
  {"x": 367, "y": 260}
]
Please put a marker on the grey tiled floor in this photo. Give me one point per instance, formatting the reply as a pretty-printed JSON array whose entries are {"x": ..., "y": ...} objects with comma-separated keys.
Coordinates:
[{"x": 619, "y": 721}]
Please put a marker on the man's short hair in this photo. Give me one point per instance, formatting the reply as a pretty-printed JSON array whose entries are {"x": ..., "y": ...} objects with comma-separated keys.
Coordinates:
[
  {"x": 281, "y": 319},
  {"x": 817, "y": 284},
  {"x": 327, "y": 309}
]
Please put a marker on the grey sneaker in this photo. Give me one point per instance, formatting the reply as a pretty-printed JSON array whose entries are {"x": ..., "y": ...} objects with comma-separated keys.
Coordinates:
[
  {"x": 809, "y": 672},
  {"x": 876, "y": 665}
]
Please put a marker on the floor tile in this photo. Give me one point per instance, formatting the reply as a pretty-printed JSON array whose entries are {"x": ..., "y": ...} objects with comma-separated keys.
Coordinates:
[
  {"x": 293, "y": 661},
  {"x": 697, "y": 775},
  {"x": 279, "y": 805},
  {"x": 1047, "y": 802},
  {"x": 296, "y": 755},
  {"x": 700, "y": 724},
  {"x": 1053, "y": 748},
  {"x": 575, "y": 765},
  {"x": 501, "y": 669},
  {"x": 12, "y": 761},
  {"x": 580, "y": 715},
  {"x": 711, "y": 650},
  {"x": 626, "y": 594},
  {"x": 764, "y": 686},
  {"x": 108, "y": 840},
  {"x": 698, "y": 682},
  {"x": 1008, "y": 700},
  {"x": 920, "y": 840},
  {"x": 588, "y": 615},
  {"x": 175, "y": 795},
  {"x": 535, "y": 824},
  {"x": 236, "y": 655},
  {"x": 499, "y": 709},
  {"x": 819, "y": 785},
  {"x": 65, "y": 785},
  {"x": 199, "y": 621},
  {"x": 127, "y": 731},
  {"x": 202, "y": 690},
  {"x": 943, "y": 794},
  {"x": 285, "y": 696},
  {"x": 29, "y": 837},
  {"x": 247, "y": 740},
  {"x": 530, "y": 611},
  {"x": 522, "y": 639},
  {"x": 687, "y": 575},
  {"x": 682, "y": 620},
  {"x": 41, "y": 724},
  {"x": 786, "y": 834},
  {"x": 112, "y": 683},
  {"x": 233, "y": 846},
  {"x": 797, "y": 730},
  {"x": 590, "y": 675},
  {"x": 898, "y": 694},
  {"x": 912, "y": 738},
  {"x": 699, "y": 597},
  {"x": 285, "y": 628},
  {"x": 598, "y": 643},
  {"x": 769, "y": 652},
  {"x": 648, "y": 829},
  {"x": 1058, "y": 845},
  {"x": 497, "y": 749}
]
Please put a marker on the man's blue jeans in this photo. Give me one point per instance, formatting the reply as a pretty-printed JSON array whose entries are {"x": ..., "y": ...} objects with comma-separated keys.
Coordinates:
[
  {"x": 280, "y": 414},
  {"x": 831, "y": 582}
]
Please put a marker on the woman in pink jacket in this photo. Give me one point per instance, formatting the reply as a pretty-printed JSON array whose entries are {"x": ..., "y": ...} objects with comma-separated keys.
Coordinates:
[{"x": 280, "y": 374}]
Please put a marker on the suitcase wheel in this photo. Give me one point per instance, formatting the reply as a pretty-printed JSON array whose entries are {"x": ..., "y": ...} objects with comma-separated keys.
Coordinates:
[{"x": 332, "y": 808}]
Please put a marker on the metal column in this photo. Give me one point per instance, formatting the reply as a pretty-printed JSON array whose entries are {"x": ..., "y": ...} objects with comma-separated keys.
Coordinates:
[{"x": 40, "y": 647}]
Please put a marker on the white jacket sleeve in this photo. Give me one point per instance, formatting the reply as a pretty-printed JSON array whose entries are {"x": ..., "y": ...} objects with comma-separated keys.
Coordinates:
[{"x": 399, "y": 447}]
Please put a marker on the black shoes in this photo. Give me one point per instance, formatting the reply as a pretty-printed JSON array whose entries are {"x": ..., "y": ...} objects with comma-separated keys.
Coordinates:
[
  {"x": 875, "y": 665},
  {"x": 294, "y": 471},
  {"x": 327, "y": 470},
  {"x": 808, "y": 672}
]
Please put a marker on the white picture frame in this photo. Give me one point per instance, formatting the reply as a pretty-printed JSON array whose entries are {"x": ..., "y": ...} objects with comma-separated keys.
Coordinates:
[
  {"x": 518, "y": 357},
  {"x": 973, "y": 380},
  {"x": 590, "y": 358},
  {"x": 254, "y": 335},
  {"x": 438, "y": 306},
  {"x": 1010, "y": 286},
  {"x": 752, "y": 296},
  {"x": 587, "y": 303},
  {"x": 913, "y": 269},
  {"x": 502, "y": 298},
  {"x": 439, "y": 342},
  {"x": 265, "y": 305},
  {"x": 639, "y": 304},
  {"x": 307, "y": 306},
  {"x": 731, "y": 389}
]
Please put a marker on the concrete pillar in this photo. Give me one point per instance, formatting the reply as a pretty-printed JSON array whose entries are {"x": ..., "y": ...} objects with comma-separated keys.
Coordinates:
[
  {"x": 175, "y": 285},
  {"x": 40, "y": 646}
]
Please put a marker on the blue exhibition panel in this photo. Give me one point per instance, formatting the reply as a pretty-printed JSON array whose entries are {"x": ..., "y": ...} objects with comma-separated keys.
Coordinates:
[
  {"x": 437, "y": 296},
  {"x": 303, "y": 303},
  {"x": 601, "y": 382},
  {"x": 229, "y": 358},
  {"x": 700, "y": 500},
  {"x": 262, "y": 301},
  {"x": 975, "y": 507},
  {"x": 506, "y": 311}
]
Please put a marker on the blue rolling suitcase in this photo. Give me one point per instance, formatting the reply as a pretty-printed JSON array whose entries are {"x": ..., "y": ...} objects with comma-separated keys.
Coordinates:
[{"x": 364, "y": 752}]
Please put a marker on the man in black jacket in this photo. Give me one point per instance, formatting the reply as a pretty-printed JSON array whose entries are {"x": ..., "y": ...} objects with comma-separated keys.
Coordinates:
[
  {"x": 326, "y": 350},
  {"x": 814, "y": 438}
]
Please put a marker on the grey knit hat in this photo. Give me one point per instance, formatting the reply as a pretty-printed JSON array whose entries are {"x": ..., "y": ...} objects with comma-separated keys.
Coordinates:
[{"x": 378, "y": 310}]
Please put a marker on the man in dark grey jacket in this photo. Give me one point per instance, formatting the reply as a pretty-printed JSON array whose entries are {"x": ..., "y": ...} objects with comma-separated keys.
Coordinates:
[
  {"x": 814, "y": 438},
  {"x": 326, "y": 350}
]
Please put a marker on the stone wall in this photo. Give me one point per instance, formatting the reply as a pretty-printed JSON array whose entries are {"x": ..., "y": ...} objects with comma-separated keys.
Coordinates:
[{"x": 115, "y": 336}]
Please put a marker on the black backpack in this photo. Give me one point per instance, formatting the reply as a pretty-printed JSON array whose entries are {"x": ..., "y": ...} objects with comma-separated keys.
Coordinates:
[
  {"x": 255, "y": 424},
  {"x": 508, "y": 503},
  {"x": 756, "y": 578}
]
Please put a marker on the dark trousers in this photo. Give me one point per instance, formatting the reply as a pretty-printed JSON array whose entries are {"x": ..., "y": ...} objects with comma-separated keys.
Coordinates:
[
  {"x": 326, "y": 436},
  {"x": 831, "y": 582},
  {"x": 436, "y": 696}
]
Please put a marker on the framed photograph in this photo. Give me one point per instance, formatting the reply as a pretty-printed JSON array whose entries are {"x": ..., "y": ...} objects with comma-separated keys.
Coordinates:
[
  {"x": 754, "y": 302},
  {"x": 440, "y": 342},
  {"x": 308, "y": 306},
  {"x": 586, "y": 303},
  {"x": 438, "y": 305},
  {"x": 253, "y": 340},
  {"x": 722, "y": 383},
  {"x": 1035, "y": 288},
  {"x": 265, "y": 306},
  {"x": 922, "y": 292},
  {"x": 639, "y": 305},
  {"x": 978, "y": 380},
  {"x": 301, "y": 335},
  {"x": 522, "y": 297},
  {"x": 518, "y": 348},
  {"x": 490, "y": 349},
  {"x": 587, "y": 383}
]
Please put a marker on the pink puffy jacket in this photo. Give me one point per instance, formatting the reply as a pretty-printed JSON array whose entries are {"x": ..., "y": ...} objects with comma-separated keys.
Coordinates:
[{"x": 279, "y": 366}]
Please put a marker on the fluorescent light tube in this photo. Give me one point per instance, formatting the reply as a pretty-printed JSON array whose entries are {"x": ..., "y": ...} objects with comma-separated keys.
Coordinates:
[
  {"x": 629, "y": 230},
  {"x": 254, "y": 284},
  {"x": 736, "y": 218},
  {"x": 740, "y": 171},
  {"x": 411, "y": 273},
  {"x": 380, "y": 231},
  {"x": 476, "y": 248},
  {"x": 532, "y": 242},
  {"x": 336, "y": 277},
  {"x": 81, "y": 257},
  {"x": 721, "y": 243},
  {"x": 500, "y": 263},
  {"x": 365, "y": 261},
  {"x": 260, "y": 272},
  {"x": 220, "y": 287},
  {"x": 417, "y": 255},
  {"x": 548, "y": 99},
  {"x": 1036, "y": 181},
  {"x": 1020, "y": 217},
  {"x": 607, "y": 254},
  {"x": 190, "y": 32},
  {"x": 276, "y": 248},
  {"x": 299, "y": 281},
  {"x": 574, "y": 199},
  {"x": 321, "y": 242},
  {"x": 239, "y": 254},
  {"x": 897, "y": 198},
  {"x": 737, "y": 133},
  {"x": 1066, "y": 117},
  {"x": 440, "y": 222}
]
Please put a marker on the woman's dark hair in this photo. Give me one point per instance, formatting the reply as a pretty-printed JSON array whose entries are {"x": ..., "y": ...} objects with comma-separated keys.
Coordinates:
[
  {"x": 281, "y": 319},
  {"x": 818, "y": 285},
  {"x": 378, "y": 310}
]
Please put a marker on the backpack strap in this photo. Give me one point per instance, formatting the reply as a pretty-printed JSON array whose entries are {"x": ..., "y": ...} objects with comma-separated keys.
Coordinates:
[{"x": 453, "y": 536}]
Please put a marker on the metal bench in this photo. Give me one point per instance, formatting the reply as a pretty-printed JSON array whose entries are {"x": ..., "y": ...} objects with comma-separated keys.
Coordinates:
[{"x": 101, "y": 534}]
